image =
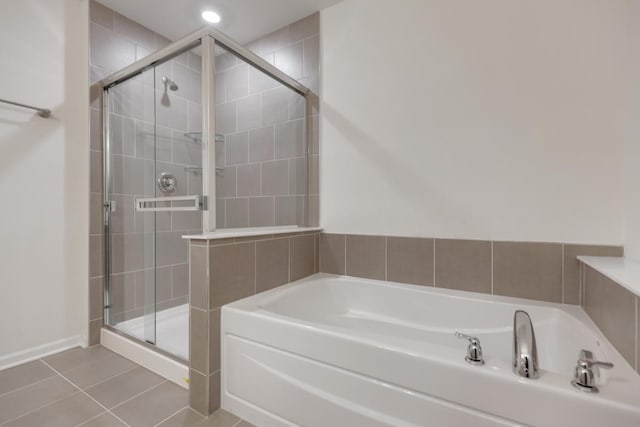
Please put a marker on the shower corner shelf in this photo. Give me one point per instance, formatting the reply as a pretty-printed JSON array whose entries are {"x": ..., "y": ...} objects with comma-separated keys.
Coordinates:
[{"x": 197, "y": 137}]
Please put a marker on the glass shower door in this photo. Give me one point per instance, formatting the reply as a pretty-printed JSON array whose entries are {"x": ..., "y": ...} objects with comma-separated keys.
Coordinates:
[
  {"x": 154, "y": 197},
  {"x": 130, "y": 166}
]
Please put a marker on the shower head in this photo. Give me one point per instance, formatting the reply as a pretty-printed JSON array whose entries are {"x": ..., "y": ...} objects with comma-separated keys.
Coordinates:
[{"x": 169, "y": 83}]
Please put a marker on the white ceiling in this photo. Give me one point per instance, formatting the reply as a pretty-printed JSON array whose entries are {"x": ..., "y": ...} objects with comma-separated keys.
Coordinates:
[{"x": 242, "y": 20}]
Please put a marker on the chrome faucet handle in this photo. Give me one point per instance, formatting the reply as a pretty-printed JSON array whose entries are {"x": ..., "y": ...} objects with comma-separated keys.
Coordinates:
[
  {"x": 584, "y": 378},
  {"x": 474, "y": 351}
]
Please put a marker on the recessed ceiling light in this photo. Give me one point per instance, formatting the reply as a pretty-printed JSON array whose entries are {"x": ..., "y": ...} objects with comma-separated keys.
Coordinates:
[{"x": 211, "y": 16}]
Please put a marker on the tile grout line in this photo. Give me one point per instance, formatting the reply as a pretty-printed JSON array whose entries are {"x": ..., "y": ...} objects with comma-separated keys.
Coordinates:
[
  {"x": 139, "y": 394},
  {"x": 433, "y": 248},
  {"x": 492, "y": 262},
  {"x": 110, "y": 378},
  {"x": 39, "y": 407},
  {"x": 172, "y": 415},
  {"x": 28, "y": 385},
  {"x": 86, "y": 394},
  {"x": 562, "y": 263},
  {"x": 345, "y": 255},
  {"x": 91, "y": 419},
  {"x": 386, "y": 258}
]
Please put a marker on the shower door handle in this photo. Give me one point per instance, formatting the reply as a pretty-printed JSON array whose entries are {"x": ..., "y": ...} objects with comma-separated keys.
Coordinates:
[{"x": 196, "y": 203}]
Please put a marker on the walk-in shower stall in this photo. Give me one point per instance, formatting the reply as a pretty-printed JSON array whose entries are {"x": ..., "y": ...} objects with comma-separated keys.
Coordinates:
[{"x": 201, "y": 135}]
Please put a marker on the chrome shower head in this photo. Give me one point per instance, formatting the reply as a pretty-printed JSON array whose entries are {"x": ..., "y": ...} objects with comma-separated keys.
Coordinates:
[{"x": 169, "y": 83}]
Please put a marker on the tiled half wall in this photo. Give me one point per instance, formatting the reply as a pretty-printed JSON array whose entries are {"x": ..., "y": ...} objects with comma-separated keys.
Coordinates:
[
  {"x": 615, "y": 310},
  {"x": 224, "y": 271}
]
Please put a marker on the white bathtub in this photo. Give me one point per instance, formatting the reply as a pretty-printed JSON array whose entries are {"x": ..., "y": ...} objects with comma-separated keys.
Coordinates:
[{"x": 340, "y": 351}]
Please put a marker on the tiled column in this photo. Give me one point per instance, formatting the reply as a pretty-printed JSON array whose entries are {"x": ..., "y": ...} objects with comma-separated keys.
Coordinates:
[
  {"x": 224, "y": 271},
  {"x": 201, "y": 398}
]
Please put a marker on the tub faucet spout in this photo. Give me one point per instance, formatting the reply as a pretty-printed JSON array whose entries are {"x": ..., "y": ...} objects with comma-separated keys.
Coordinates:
[{"x": 525, "y": 353}]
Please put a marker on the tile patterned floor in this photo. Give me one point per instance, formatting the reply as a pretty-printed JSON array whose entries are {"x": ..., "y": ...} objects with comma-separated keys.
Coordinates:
[{"x": 95, "y": 387}]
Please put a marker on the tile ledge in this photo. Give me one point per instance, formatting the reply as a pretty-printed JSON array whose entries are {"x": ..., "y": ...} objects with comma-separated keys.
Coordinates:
[
  {"x": 624, "y": 271},
  {"x": 227, "y": 233}
]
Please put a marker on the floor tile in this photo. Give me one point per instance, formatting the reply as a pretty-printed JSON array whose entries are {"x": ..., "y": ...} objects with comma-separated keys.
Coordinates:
[
  {"x": 124, "y": 386},
  {"x": 220, "y": 418},
  {"x": 27, "y": 399},
  {"x": 244, "y": 423},
  {"x": 153, "y": 406},
  {"x": 185, "y": 418},
  {"x": 23, "y": 375},
  {"x": 104, "y": 420},
  {"x": 76, "y": 357},
  {"x": 88, "y": 374},
  {"x": 68, "y": 412}
]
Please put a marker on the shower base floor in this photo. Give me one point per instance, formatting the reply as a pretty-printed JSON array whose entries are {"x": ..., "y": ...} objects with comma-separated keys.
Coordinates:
[{"x": 172, "y": 330}]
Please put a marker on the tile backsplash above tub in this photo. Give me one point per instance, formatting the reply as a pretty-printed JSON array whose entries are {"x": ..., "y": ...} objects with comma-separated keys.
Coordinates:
[{"x": 539, "y": 271}]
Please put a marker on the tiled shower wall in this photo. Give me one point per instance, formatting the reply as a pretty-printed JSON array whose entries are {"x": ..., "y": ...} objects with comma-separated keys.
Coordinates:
[
  {"x": 261, "y": 181},
  {"x": 116, "y": 42},
  {"x": 539, "y": 271}
]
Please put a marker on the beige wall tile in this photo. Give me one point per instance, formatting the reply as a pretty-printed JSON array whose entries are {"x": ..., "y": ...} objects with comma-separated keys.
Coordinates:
[
  {"x": 261, "y": 212},
  {"x": 305, "y": 27},
  {"x": 94, "y": 331},
  {"x": 214, "y": 340},
  {"x": 237, "y": 148},
  {"x": 96, "y": 297},
  {"x": 366, "y": 256},
  {"x": 100, "y": 14},
  {"x": 261, "y": 144},
  {"x": 289, "y": 60},
  {"x": 214, "y": 392},
  {"x": 410, "y": 260},
  {"x": 571, "y": 279},
  {"x": 463, "y": 265},
  {"x": 272, "y": 263},
  {"x": 199, "y": 392},
  {"x": 249, "y": 180},
  {"x": 249, "y": 112},
  {"x": 96, "y": 256},
  {"x": 237, "y": 213},
  {"x": 528, "y": 270},
  {"x": 232, "y": 273},
  {"x": 302, "y": 257},
  {"x": 613, "y": 309},
  {"x": 275, "y": 178},
  {"x": 199, "y": 277},
  {"x": 199, "y": 340},
  {"x": 332, "y": 253}
]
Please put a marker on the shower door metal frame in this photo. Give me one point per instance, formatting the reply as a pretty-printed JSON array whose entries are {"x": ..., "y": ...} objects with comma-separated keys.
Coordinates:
[{"x": 207, "y": 38}]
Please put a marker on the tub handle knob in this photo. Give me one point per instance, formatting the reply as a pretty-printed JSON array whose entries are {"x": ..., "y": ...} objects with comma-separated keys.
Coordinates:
[
  {"x": 474, "y": 351},
  {"x": 584, "y": 379}
]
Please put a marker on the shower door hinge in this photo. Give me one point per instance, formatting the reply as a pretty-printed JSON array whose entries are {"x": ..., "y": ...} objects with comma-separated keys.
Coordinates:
[
  {"x": 110, "y": 205},
  {"x": 203, "y": 203}
]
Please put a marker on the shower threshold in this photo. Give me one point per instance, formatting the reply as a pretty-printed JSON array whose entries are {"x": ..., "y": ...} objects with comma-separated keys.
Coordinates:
[{"x": 172, "y": 330}]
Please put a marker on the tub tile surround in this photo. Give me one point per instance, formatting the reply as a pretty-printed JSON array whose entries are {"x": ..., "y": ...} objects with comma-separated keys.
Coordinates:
[
  {"x": 540, "y": 271},
  {"x": 548, "y": 272},
  {"x": 226, "y": 270},
  {"x": 614, "y": 310}
]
